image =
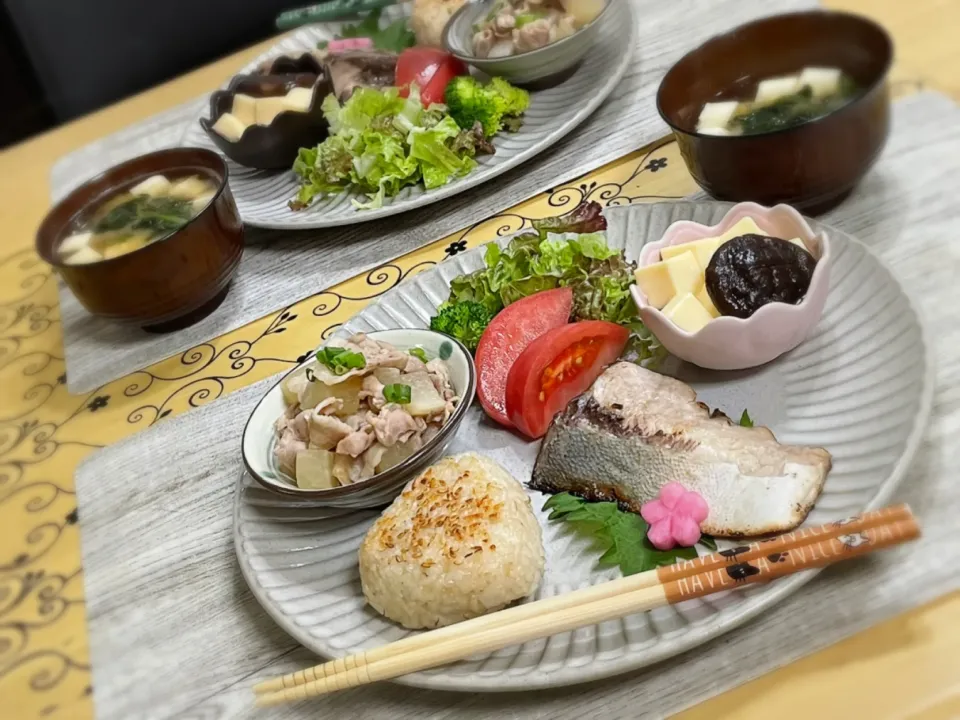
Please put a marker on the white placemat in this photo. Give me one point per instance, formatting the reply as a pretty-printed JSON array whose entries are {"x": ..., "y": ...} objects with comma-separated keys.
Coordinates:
[
  {"x": 280, "y": 268},
  {"x": 174, "y": 631}
]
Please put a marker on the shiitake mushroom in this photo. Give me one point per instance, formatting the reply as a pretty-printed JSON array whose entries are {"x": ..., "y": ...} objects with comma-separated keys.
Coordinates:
[{"x": 752, "y": 270}]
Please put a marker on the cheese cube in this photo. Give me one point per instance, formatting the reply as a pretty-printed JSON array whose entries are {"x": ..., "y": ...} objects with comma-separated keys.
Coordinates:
[
  {"x": 244, "y": 108},
  {"x": 663, "y": 280},
  {"x": 715, "y": 116},
  {"x": 154, "y": 186},
  {"x": 702, "y": 250},
  {"x": 229, "y": 127},
  {"x": 704, "y": 298},
  {"x": 75, "y": 243},
  {"x": 298, "y": 99},
  {"x": 686, "y": 312},
  {"x": 771, "y": 90},
  {"x": 268, "y": 108},
  {"x": 747, "y": 226},
  {"x": 823, "y": 81}
]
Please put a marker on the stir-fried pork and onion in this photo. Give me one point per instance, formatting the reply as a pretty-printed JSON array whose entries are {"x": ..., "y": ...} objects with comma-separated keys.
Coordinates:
[
  {"x": 518, "y": 26},
  {"x": 362, "y": 407}
]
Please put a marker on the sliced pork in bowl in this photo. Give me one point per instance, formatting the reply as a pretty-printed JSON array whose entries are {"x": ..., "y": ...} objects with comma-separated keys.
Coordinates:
[{"x": 352, "y": 424}]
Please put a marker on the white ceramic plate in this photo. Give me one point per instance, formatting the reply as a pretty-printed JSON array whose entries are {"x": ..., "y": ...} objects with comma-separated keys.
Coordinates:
[
  {"x": 861, "y": 386},
  {"x": 262, "y": 196}
]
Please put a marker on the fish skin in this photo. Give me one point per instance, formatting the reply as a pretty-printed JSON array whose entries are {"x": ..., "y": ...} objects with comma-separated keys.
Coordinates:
[{"x": 635, "y": 431}]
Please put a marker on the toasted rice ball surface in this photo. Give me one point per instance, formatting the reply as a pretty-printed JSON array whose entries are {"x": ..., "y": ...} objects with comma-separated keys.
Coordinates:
[{"x": 460, "y": 541}]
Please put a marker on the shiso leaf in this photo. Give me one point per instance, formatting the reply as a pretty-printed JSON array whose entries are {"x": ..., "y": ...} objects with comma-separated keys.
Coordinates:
[{"x": 620, "y": 536}]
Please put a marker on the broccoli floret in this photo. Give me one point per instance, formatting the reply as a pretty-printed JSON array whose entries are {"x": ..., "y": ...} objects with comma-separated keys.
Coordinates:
[
  {"x": 511, "y": 101},
  {"x": 469, "y": 102},
  {"x": 464, "y": 321}
]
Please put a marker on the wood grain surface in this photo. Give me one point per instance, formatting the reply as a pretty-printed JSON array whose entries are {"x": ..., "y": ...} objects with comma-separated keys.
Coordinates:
[{"x": 904, "y": 668}]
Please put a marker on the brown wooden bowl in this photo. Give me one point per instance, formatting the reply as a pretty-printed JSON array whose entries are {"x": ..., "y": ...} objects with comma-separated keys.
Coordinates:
[
  {"x": 169, "y": 283},
  {"x": 812, "y": 166}
]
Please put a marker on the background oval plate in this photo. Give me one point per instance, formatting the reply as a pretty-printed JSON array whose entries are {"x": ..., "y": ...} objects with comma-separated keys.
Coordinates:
[
  {"x": 861, "y": 386},
  {"x": 262, "y": 196}
]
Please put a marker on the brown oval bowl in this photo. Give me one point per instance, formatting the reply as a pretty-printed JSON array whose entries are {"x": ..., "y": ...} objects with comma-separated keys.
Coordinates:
[
  {"x": 812, "y": 166},
  {"x": 274, "y": 146},
  {"x": 291, "y": 65},
  {"x": 171, "y": 282}
]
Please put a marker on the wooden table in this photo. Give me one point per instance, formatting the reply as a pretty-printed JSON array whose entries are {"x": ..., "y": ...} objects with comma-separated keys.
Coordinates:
[{"x": 905, "y": 668}]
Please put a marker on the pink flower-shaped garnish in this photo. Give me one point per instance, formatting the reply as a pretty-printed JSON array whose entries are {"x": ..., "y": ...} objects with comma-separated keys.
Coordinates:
[
  {"x": 675, "y": 517},
  {"x": 345, "y": 44}
]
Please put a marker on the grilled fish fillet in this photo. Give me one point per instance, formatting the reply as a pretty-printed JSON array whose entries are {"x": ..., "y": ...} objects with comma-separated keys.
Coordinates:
[{"x": 636, "y": 430}]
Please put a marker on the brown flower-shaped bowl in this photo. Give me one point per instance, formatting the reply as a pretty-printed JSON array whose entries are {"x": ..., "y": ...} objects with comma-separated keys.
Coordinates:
[
  {"x": 171, "y": 282},
  {"x": 274, "y": 146}
]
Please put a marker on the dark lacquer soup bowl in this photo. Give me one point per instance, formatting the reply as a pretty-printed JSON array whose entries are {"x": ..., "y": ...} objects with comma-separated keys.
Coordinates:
[
  {"x": 813, "y": 165},
  {"x": 170, "y": 282}
]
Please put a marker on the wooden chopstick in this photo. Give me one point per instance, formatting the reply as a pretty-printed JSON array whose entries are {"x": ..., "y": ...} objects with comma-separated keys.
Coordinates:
[{"x": 710, "y": 573}]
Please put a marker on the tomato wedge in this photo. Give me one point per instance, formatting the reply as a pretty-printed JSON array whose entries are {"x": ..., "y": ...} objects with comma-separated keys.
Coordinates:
[
  {"x": 556, "y": 367},
  {"x": 431, "y": 69},
  {"x": 517, "y": 325}
]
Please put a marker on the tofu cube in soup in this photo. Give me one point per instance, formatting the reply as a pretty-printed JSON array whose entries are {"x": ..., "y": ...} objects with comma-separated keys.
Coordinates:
[
  {"x": 821, "y": 80},
  {"x": 771, "y": 90},
  {"x": 190, "y": 187},
  {"x": 75, "y": 242},
  {"x": 83, "y": 256},
  {"x": 154, "y": 186},
  {"x": 716, "y": 115}
]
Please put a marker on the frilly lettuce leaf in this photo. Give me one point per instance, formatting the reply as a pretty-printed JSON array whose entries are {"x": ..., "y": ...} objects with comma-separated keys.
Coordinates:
[
  {"x": 552, "y": 257},
  {"x": 380, "y": 143}
]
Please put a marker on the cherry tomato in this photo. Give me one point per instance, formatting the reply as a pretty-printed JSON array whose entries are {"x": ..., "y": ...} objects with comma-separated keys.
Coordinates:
[
  {"x": 556, "y": 367},
  {"x": 431, "y": 69},
  {"x": 517, "y": 325}
]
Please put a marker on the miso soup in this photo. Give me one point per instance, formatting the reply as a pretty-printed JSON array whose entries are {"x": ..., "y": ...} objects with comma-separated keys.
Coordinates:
[
  {"x": 780, "y": 102},
  {"x": 131, "y": 219}
]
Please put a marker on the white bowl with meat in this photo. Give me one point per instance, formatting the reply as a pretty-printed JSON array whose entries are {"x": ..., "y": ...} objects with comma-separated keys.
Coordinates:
[
  {"x": 531, "y": 43},
  {"x": 351, "y": 425}
]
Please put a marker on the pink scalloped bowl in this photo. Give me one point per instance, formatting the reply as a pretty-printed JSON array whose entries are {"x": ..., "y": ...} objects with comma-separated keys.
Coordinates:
[{"x": 732, "y": 343}]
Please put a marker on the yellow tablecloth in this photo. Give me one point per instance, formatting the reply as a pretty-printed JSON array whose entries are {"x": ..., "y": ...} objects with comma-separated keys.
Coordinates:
[{"x": 905, "y": 668}]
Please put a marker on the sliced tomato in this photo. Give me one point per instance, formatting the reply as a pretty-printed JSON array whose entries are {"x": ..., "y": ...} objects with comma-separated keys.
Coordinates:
[
  {"x": 517, "y": 325},
  {"x": 431, "y": 69},
  {"x": 556, "y": 367}
]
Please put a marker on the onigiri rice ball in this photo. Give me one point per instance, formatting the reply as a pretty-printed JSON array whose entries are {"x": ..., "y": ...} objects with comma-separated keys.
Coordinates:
[{"x": 460, "y": 541}]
